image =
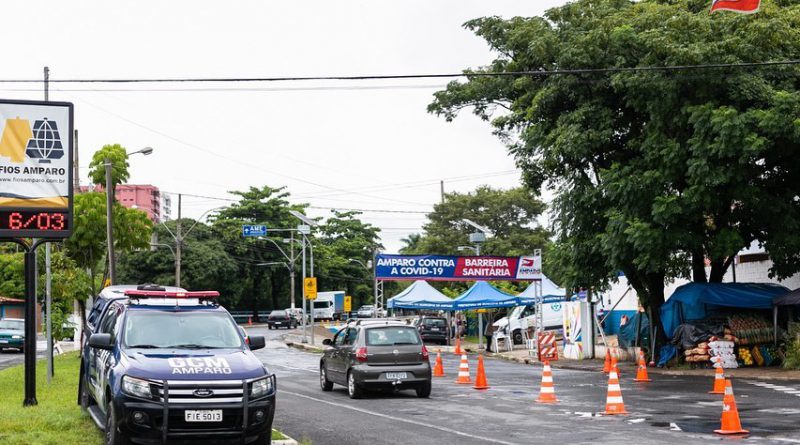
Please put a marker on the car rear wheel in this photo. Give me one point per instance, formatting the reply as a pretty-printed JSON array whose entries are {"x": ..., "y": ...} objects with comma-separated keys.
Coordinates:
[
  {"x": 353, "y": 390},
  {"x": 324, "y": 383},
  {"x": 113, "y": 436},
  {"x": 424, "y": 390}
]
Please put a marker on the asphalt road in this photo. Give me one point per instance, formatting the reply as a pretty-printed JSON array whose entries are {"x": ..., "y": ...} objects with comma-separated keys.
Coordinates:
[
  {"x": 11, "y": 357},
  {"x": 670, "y": 409}
]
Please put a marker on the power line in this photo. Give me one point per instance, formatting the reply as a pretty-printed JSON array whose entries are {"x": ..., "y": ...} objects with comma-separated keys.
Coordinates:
[{"x": 535, "y": 73}]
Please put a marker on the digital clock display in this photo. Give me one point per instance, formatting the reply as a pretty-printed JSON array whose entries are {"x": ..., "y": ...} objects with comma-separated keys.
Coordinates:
[{"x": 34, "y": 223}]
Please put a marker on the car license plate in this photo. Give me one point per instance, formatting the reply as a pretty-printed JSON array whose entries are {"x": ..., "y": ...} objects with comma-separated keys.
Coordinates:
[
  {"x": 278, "y": 322},
  {"x": 396, "y": 375},
  {"x": 434, "y": 329},
  {"x": 204, "y": 415}
]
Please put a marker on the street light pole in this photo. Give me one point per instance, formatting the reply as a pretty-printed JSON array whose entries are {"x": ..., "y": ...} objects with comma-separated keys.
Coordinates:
[{"x": 178, "y": 242}]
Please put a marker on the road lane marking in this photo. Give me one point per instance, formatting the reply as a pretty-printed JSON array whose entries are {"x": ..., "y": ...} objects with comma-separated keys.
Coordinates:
[{"x": 386, "y": 416}]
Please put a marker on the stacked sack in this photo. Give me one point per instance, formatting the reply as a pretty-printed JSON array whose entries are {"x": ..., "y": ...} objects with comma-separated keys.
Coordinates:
[
  {"x": 722, "y": 354},
  {"x": 699, "y": 353}
]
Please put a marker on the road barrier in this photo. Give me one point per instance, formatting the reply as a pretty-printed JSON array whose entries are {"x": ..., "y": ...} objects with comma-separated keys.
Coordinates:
[
  {"x": 458, "y": 350},
  {"x": 614, "y": 403},
  {"x": 641, "y": 371},
  {"x": 607, "y": 364}
]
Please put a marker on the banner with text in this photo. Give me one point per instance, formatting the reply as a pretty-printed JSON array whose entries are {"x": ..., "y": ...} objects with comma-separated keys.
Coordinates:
[{"x": 457, "y": 268}]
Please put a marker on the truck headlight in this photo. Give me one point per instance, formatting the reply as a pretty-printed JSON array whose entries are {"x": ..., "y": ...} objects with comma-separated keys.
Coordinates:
[
  {"x": 136, "y": 387},
  {"x": 17, "y": 337},
  {"x": 261, "y": 387}
]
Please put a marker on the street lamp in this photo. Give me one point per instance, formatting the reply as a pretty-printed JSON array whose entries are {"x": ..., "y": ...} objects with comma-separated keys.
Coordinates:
[
  {"x": 112, "y": 264},
  {"x": 178, "y": 236},
  {"x": 478, "y": 237},
  {"x": 368, "y": 265},
  {"x": 305, "y": 229}
]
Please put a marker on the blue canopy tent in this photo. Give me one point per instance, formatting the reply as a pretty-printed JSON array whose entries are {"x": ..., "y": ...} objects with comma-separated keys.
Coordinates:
[
  {"x": 483, "y": 295},
  {"x": 420, "y": 295},
  {"x": 694, "y": 301}
]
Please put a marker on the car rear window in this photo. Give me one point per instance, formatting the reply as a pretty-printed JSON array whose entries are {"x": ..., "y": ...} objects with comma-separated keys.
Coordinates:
[
  {"x": 394, "y": 335},
  {"x": 433, "y": 322}
]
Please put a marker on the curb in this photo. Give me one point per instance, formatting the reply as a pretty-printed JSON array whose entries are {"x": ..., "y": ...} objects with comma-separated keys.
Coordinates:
[
  {"x": 287, "y": 441},
  {"x": 304, "y": 347}
]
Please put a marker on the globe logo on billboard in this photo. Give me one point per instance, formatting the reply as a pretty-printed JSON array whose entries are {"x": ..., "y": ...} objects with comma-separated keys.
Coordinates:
[{"x": 45, "y": 144}]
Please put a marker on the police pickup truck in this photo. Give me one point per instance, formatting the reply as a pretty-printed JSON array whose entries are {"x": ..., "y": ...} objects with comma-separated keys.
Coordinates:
[{"x": 173, "y": 366}]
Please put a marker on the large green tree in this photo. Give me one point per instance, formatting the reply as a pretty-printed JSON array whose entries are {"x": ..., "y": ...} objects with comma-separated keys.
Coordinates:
[
  {"x": 510, "y": 214},
  {"x": 654, "y": 170}
]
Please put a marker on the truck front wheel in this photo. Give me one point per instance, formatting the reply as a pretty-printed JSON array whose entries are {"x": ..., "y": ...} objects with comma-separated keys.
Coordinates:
[
  {"x": 517, "y": 337},
  {"x": 113, "y": 436}
]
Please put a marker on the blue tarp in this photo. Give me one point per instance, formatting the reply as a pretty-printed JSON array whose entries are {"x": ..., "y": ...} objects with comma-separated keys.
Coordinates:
[
  {"x": 484, "y": 295},
  {"x": 694, "y": 301},
  {"x": 419, "y": 295}
]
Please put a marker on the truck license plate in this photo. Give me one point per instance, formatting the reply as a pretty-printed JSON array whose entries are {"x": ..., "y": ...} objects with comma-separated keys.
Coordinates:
[
  {"x": 396, "y": 375},
  {"x": 205, "y": 415}
]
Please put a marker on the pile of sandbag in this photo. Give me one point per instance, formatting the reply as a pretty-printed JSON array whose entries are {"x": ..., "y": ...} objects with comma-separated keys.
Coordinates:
[{"x": 723, "y": 354}]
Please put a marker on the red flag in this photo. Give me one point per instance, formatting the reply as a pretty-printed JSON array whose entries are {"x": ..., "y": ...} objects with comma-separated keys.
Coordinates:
[{"x": 741, "y": 6}]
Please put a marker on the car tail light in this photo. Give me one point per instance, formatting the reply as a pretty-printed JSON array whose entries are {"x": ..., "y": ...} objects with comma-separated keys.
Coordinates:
[
  {"x": 424, "y": 352},
  {"x": 361, "y": 354}
]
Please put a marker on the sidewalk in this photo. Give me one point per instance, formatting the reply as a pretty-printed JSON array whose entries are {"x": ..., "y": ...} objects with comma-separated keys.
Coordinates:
[{"x": 629, "y": 368}]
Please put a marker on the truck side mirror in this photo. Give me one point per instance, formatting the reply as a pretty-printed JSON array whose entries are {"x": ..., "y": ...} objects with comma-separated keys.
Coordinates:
[
  {"x": 101, "y": 341},
  {"x": 257, "y": 342}
]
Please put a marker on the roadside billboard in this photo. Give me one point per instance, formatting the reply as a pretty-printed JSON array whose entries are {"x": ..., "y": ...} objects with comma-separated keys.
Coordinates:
[
  {"x": 457, "y": 268},
  {"x": 35, "y": 169}
]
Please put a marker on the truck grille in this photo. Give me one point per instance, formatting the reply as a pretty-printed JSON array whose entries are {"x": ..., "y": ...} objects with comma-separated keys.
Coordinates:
[{"x": 202, "y": 391}]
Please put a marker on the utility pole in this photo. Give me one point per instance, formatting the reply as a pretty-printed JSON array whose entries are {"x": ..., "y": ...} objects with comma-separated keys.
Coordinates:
[
  {"x": 178, "y": 242},
  {"x": 48, "y": 271},
  {"x": 310, "y": 312},
  {"x": 441, "y": 184},
  {"x": 291, "y": 270},
  {"x": 109, "y": 222}
]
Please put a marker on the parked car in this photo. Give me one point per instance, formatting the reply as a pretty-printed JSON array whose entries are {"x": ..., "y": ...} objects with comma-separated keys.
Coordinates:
[
  {"x": 376, "y": 354},
  {"x": 366, "y": 311},
  {"x": 432, "y": 329},
  {"x": 165, "y": 366},
  {"x": 281, "y": 319},
  {"x": 12, "y": 333}
]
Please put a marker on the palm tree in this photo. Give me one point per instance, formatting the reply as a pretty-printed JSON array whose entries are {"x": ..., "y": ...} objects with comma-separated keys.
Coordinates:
[{"x": 411, "y": 242}]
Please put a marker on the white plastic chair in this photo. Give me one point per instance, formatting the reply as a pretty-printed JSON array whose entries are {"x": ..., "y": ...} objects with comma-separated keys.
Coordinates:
[{"x": 501, "y": 335}]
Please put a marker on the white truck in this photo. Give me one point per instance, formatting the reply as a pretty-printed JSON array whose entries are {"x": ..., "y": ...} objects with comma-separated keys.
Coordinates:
[
  {"x": 328, "y": 305},
  {"x": 523, "y": 316}
]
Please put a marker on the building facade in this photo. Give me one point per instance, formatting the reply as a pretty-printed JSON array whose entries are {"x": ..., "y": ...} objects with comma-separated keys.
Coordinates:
[{"x": 143, "y": 197}]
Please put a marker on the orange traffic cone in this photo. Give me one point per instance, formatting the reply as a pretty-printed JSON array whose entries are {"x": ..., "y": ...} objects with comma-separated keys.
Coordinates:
[
  {"x": 730, "y": 415},
  {"x": 480, "y": 378},
  {"x": 607, "y": 364},
  {"x": 463, "y": 372},
  {"x": 249, "y": 321},
  {"x": 614, "y": 366},
  {"x": 547, "y": 393},
  {"x": 438, "y": 369},
  {"x": 614, "y": 404},
  {"x": 719, "y": 382},
  {"x": 458, "y": 350},
  {"x": 641, "y": 372}
]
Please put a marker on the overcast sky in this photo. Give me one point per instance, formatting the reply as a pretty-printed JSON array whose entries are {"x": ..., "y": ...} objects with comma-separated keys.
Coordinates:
[{"x": 367, "y": 145}]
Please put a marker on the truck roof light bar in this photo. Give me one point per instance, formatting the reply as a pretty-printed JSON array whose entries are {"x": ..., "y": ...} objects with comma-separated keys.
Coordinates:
[{"x": 162, "y": 294}]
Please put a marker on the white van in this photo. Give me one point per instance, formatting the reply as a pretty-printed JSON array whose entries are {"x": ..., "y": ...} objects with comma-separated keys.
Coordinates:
[{"x": 523, "y": 316}]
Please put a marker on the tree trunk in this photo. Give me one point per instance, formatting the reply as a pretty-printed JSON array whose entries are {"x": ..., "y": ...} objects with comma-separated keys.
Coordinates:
[
  {"x": 276, "y": 290},
  {"x": 718, "y": 268},
  {"x": 699, "y": 266},
  {"x": 650, "y": 289}
]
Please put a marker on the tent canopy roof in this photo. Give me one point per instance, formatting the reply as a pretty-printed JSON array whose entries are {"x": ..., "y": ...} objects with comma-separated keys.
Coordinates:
[
  {"x": 549, "y": 289},
  {"x": 790, "y": 299},
  {"x": 484, "y": 295},
  {"x": 693, "y": 301},
  {"x": 420, "y": 295}
]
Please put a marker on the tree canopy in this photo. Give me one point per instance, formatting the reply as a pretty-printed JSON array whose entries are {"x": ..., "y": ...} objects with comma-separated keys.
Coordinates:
[{"x": 654, "y": 171}]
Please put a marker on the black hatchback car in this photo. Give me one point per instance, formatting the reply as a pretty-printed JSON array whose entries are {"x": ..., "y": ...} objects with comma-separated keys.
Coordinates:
[
  {"x": 376, "y": 354},
  {"x": 281, "y": 319},
  {"x": 432, "y": 329}
]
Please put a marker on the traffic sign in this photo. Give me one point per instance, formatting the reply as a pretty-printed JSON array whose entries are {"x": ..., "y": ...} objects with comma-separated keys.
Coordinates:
[
  {"x": 348, "y": 303},
  {"x": 482, "y": 311},
  {"x": 251, "y": 230},
  {"x": 310, "y": 288}
]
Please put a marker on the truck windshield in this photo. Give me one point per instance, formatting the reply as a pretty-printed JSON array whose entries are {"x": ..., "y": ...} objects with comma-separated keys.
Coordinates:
[
  {"x": 322, "y": 304},
  {"x": 185, "y": 330}
]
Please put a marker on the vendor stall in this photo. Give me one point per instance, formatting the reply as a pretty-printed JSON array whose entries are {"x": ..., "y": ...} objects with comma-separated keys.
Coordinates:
[{"x": 721, "y": 324}]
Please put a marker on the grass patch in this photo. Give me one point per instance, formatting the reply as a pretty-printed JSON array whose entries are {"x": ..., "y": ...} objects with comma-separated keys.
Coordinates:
[
  {"x": 276, "y": 435},
  {"x": 57, "y": 420}
]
